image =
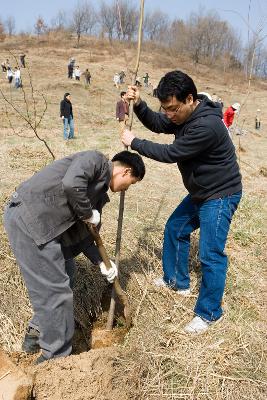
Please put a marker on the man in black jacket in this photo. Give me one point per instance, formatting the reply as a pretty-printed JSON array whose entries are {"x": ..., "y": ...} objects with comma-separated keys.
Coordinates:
[
  {"x": 205, "y": 156},
  {"x": 67, "y": 117},
  {"x": 46, "y": 222}
]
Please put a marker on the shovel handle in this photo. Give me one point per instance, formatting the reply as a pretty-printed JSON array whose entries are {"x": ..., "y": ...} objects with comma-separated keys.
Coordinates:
[
  {"x": 117, "y": 287},
  {"x": 100, "y": 245}
]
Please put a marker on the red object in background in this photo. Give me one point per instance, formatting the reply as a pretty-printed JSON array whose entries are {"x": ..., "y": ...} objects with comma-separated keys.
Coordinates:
[{"x": 228, "y": 116}]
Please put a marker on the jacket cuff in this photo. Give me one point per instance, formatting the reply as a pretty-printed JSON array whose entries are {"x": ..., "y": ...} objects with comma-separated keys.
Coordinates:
[{"x": 135, "y": 144}]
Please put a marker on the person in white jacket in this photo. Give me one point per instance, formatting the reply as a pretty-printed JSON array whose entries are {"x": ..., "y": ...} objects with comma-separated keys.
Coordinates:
[
  {"x": 77, "y": 73},
  {"x": 17, "y": 78},
  {"x": 9, "y": 74}
]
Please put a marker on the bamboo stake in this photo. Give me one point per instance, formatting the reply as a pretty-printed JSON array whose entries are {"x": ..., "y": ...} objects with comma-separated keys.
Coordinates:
[{"x": 122, "y": 194}]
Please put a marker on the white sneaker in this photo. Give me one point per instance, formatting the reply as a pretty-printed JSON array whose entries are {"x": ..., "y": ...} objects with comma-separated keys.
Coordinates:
[
  {"x": 159, "y": 282},
  {"x": 198, "y": 325},
  {"x": 183, "y": 292}
]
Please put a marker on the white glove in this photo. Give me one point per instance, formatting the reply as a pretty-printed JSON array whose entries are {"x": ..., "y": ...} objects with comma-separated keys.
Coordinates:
[
  {"x": 110, "y": 274},
  {"x": 95, "y": 218}
]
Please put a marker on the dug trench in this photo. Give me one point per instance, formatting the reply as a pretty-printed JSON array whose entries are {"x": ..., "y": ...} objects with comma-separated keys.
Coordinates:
[{"x": 89, "y": 372}]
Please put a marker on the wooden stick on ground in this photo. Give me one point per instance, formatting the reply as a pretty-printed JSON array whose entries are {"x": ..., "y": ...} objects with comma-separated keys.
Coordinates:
[{"x": 122, "y": 195}]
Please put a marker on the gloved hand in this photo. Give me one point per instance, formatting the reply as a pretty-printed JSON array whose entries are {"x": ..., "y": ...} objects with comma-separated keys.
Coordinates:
[
  {"x": 111, "y": 273},
  {"x": 95, "y": 218}
]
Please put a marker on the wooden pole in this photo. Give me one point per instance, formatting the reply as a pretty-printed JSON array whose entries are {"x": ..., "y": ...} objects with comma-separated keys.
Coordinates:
[
  {"x": 116, "y": 285},
  {"x": 122, "y": 194}
]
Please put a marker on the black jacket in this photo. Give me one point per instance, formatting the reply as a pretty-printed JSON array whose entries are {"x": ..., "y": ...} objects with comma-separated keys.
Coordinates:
[
  {"x": 202, "y": 149},
  {"x": 66, "y": 108}
]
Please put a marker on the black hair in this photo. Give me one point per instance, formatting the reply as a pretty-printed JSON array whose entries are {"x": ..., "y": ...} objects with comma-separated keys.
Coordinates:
[
  {"x": 132, "y": 160},
  {"x": 178, "y": 84},
  {"x": 123, "y": 93}
]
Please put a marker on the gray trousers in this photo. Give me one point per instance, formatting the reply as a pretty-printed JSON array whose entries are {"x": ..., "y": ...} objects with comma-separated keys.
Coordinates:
[{"x": 45, "y": 272}]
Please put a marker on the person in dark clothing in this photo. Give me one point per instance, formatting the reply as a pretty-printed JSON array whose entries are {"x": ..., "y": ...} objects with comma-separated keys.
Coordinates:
[
  {"x": 205, "y": 156},
  {"x": 70, "y": 71},
  {"x": 22, "y": 60},
  {"x": 47, "y": 222},
  {"x": 122, "y": 76},
  {"x": 66, "y": 115},
  {"x": 71, "y": 68},
  {"x": 87, "y": 77},
  {"x": 146, "y": 79},
  {"x": 122, "y": 111}
]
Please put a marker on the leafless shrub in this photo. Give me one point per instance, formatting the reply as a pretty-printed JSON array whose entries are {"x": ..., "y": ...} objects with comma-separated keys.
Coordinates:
[
  {"x": 32, "y": 114},
  {"x": 10, "y": 25}
]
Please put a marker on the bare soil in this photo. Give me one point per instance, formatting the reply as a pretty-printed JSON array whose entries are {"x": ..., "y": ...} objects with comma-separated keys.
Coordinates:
[{"x": 84, "y": 376}]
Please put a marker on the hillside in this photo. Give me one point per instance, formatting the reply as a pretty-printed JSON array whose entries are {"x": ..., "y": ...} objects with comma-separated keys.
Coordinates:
[{"x": 156, "y": 360}]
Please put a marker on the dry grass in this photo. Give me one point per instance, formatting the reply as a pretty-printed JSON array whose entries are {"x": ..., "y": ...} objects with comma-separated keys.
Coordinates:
[
  {"x": 229, "y": 362},
  {"x": 157, "y": 360}
]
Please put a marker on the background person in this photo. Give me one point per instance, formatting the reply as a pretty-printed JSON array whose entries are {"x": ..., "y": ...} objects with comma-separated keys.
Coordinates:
[
  {"x": 87, "y": 77},
  {"x": 67, "y": 117},
  {"x": 122, "y": 111},
  {"x": 22, "y": 60},
  {"x": 229, "y": 114},
  {"x": 77, "y": 73},
  {"x": 9, "y": 74}
]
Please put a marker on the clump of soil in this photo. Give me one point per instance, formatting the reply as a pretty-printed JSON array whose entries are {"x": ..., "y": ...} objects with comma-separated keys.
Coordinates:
[
  {"x": 263, "y": 171},
  {"x": 84, "y": 376}
]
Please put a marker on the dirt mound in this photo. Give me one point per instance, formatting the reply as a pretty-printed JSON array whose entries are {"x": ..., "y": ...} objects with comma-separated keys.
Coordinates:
[
  {"x": 84, "y": 376},
  {"x": 15, "y": 384}
]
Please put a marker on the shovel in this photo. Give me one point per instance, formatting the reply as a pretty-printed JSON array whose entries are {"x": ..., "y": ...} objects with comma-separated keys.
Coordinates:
[{"x": 116, "y": 284}]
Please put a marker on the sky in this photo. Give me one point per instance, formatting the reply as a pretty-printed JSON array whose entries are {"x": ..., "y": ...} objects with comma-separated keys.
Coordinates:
[{"x": 235, "y": 12}]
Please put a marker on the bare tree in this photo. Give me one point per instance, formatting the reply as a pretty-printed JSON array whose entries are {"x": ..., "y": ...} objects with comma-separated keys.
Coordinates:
[
  {"x": 108, "y": 18},
  {"x": 155, "y": 24},
  {"x": 176, "y": 36},
  {"x": 40, "y": 27},
  {"x": 126, "y": 20},
  {"x": 209, "y": 38},
  {"x": 10, "y": 25},
  {"x": 2, "y": 31},
  {"x": 91, "y": 18},
  {"x": 79, "y": 21},
  {"x": 59, "y": 22}
]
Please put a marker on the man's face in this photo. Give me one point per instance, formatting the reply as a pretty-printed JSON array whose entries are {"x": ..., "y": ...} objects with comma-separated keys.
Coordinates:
[
  {"x": 68, "y": 97},
  {"x": 177, "y": 111},
  {"x": 122, "y": 179}
]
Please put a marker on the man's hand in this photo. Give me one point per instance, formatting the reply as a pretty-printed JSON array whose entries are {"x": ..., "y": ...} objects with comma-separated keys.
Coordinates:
[
  {"x": 62, "y": 117},
  {"x": 111, "y": 273},
  {"x": 133, "y": 93},
  {"x": 94, "y": 219},
  {"x": 127, "y": 137}
]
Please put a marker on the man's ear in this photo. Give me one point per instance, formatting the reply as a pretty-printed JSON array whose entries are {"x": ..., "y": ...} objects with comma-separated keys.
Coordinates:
[
  {"x": 127, "y": 171},
  {"x": 190, "y": 99}
]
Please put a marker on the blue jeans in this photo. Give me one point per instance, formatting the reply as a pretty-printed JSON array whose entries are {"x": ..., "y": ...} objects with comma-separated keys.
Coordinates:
[
  {"x": 213, "y": 217},
  {"x": 17, "y": 83},
  {"x": 68, "y": 122}
]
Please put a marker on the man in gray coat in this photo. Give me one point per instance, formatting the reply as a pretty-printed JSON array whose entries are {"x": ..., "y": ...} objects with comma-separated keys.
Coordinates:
[{"x": 46, "y": 222}]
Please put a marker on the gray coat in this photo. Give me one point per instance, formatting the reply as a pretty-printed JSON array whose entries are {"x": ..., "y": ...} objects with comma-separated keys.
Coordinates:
[{"x": 63, "y": 193}]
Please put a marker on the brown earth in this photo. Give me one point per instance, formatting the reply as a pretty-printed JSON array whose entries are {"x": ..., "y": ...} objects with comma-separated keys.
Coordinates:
[
  {"x": 156, "y": 361},
  {"x": 14, "y": 383},
  {"x": 85, "y": 376}
]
